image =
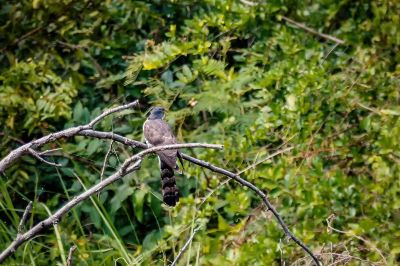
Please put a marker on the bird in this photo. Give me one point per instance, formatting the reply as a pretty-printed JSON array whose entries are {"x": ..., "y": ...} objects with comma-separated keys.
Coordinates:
[{"x": 157, "y": 132}]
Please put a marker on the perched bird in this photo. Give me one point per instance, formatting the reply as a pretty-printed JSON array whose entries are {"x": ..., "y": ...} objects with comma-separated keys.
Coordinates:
[{"x": 157, "y": 132}]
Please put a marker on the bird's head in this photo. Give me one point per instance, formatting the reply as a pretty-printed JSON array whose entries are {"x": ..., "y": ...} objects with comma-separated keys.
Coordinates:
[{"x": 157, "y": 112}]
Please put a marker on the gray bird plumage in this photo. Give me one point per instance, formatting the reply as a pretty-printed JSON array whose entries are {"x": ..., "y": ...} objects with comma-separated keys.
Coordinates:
[{"x": 157, "y": 132}]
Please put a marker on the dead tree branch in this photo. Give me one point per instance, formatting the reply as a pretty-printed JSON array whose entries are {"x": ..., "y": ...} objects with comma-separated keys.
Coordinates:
[
  {"x": 131, "y": 164},
  {"x": 37, "y": 156},
  {"x": 185, "y": 246},
  {"x": 67, "y": 133},
  {"x": 310, "y": 30},
  {"x": 24, "y": 218},
  {"x": 70, "y": 253},
  {"x": 260, "y": 193}
]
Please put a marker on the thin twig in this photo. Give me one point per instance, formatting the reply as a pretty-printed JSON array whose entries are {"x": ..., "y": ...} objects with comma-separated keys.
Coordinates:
[
  {"x": 105, "y": 160},
  {"x": 330, "y": 51},
  {"x": 70, "y": 253},
  {"x": 24, "y": 217},
  {"x": 248, "y": 3},
  {"x": 37, "y": 156},
  {"x": 111, "y": 111},
  {"x": 310, "y": 30},
  {"x": 183, "y": 249},
  {"x": 46, "y": 152},
  {"x": 265, "y": 159},
  {"x": 23, "y": 37}
]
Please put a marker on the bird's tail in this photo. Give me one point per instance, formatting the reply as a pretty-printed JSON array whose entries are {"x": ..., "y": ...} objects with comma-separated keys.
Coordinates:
[{"x": 170, "y": 191}]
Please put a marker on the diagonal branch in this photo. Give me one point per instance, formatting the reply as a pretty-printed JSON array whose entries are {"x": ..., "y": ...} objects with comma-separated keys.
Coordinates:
[
  {"x": 310, "y": 30},
  {"x": 183, "y": 249},
  {"x": 260, "y": 193},
  {"x": 245, "y": 170},
  {"x": 111, "y": 111},
  {"x": 70, "y": 253},
  {"x": 37, "y": 156},
  {"x": 24, "y": 217}
]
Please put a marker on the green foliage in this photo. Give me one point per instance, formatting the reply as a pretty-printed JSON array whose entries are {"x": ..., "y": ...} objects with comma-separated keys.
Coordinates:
[{"x": 230, "y": 73}]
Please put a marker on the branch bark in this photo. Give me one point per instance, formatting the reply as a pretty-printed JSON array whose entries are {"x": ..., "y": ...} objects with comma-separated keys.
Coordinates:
[
  {"x": 185, "y": 246},
  {"x": 70, "y": 254},
  {"x": 13, "y": 156},
  {"x": 24, "y": 218},
  {"x": 310, "y": 30}
]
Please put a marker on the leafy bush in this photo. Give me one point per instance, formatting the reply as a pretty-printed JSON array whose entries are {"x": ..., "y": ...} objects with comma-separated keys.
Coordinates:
[{"x": 230, "y": 72}]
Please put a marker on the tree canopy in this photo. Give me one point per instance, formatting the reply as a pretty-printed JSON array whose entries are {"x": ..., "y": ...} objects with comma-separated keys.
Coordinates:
[{"x": 255, "y": 76}]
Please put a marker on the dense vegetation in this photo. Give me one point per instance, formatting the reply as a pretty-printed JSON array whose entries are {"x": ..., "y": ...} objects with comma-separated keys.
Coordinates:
[{"x": 230, "y": 72}]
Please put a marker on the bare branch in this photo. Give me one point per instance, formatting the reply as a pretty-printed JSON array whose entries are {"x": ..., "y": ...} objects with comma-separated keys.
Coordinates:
[
  {"x": 111, "y": 111},
  {"x": 37, "y": 156},
  {"x": 105, "y": 160},
  {"x": 248, "y": 3},
  {"x": 131, "y": 164},
  {"x": 24, "y": 218},
  {"x": 265, "y": 159},
  {"x": 173, "y": 146},
  {"x": 261, "y": 194},
  {"x": 310, "y": 30},
  {"x": 183, "y": 249},
  {"x": 49, "y": 152},
  {"x": 14, "y": 155},
  {"x": 23, "y": 37},
  {"x": 70, "y": 254}
]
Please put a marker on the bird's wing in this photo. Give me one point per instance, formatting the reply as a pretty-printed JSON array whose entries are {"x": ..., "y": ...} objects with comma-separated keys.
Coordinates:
[{"x": 157, "y": 132}]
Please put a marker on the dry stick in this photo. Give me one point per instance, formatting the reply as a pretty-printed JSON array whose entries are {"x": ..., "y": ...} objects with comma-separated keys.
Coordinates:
[
  {"x": 37, "y": 156},
  {"x": 339, "y": 255},
  {"x": 46, "y": 152},
  {"x": 26, "y": 35},
  {"x": 105, "y": 160},
  {"x": 310, "y": 30},
  {"x": 248, "y": 3},
  {"x": 70, "y": 253},
  {"x": 67, "y": 133},
  {"x": 24, "y": 217},
  {"x": 131, "y": 164},
  {"x": 182, "y": 250}
]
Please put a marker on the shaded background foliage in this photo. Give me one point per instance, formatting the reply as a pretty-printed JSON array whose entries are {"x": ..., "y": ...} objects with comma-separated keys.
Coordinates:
[{"x": 229, "y": 72}]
